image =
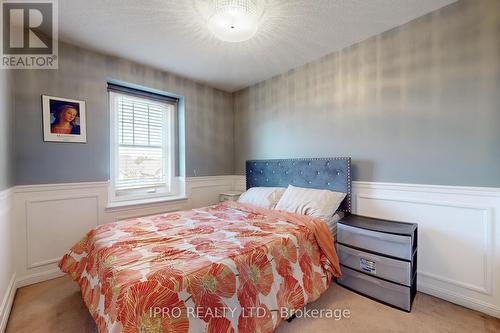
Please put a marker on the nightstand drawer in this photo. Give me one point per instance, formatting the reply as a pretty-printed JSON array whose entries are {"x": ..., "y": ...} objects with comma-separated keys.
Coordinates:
[
  {"x": 387, "y": 292},
  {"x": 388, "y": 244},
  {"x": 394, "y": 270}
]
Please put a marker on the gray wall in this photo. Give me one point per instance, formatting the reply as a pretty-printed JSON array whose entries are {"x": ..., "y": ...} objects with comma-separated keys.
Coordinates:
[
  {"x": 6, "y": 132},
  {"x": 417, "y": 104},
  {"x": 83, "y": 75}
]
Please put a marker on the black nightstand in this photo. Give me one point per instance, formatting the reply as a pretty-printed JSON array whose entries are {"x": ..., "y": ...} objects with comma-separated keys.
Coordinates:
[{"x": 378, "y": 259}]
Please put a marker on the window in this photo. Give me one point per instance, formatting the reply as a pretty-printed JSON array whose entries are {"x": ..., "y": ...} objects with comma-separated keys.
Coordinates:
[{"x": 143, "y": 145}]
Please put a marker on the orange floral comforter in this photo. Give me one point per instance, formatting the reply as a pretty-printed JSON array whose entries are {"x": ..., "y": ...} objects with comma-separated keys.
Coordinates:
[{"x": 224, "y": 268}]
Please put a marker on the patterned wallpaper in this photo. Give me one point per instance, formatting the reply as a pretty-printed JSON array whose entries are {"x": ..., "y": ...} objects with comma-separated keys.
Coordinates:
[{"x": 417, "y": 104}]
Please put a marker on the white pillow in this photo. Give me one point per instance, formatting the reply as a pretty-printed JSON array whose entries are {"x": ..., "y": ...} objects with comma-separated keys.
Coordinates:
[
  {"x": 263, "y": 197},
  {"x": 331, "y": 222},
  {"x": 311, "y": 202}
]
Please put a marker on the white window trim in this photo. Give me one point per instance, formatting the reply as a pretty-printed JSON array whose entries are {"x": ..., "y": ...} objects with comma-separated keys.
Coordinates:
[{"x": 174, "y": 184}]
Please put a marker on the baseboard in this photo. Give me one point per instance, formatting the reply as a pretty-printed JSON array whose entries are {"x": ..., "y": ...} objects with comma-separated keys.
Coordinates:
[
  {"x": 462, "y": 300},
  {"x": 7, "y": 302},
  {"x": 38, "y": 277}
]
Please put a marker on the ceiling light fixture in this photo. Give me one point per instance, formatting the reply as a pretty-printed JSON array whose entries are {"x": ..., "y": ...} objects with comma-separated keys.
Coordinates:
[{"x": 233, "y": 20}]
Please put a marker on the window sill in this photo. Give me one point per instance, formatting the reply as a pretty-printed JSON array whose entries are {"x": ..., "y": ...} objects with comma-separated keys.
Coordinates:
[{"x": 143, "y": 202}]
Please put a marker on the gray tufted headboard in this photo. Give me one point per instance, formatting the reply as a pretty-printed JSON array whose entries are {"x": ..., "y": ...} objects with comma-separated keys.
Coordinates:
[{"x": 332, "y": 173}]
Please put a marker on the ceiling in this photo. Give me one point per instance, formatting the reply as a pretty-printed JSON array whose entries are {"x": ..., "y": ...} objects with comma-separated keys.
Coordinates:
[{"x": 171, "y": 35}]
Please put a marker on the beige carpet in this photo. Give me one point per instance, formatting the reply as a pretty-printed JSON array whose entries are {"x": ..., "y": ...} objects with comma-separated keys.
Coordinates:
[{"x": 55, "y": 306}]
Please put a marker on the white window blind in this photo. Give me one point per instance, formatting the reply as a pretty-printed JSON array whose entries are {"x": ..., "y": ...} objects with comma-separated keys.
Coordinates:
[{"x": 144, "y": 147}]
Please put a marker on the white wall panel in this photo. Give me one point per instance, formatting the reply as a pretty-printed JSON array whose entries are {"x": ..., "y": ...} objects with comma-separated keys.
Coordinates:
[
  {"x": 55, "y": 224},
  {"x": 458, "y": 247},
  {"x": 51, "y": 218},
  {"x": 7, "y": 271}
]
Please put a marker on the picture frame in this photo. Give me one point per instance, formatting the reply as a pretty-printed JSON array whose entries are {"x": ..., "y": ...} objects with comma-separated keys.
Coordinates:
[{"x": 64, "y": 120}]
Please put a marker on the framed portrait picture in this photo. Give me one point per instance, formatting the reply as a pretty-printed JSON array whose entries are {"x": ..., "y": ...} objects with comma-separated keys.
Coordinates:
[{"x": 63, "y": 120}]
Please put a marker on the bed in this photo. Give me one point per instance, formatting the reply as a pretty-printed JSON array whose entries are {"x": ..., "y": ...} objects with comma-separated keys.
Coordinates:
[{"x": 229, "y": 267}]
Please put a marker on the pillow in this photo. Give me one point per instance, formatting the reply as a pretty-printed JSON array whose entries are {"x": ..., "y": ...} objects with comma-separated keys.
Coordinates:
[
  {"x": 263, "y": 197},
  {"x": 311, "y": 202},
  {"x": 331, "y": 222}
]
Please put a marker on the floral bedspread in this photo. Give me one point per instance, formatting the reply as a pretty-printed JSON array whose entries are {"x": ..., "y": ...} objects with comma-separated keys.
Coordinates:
[{"x": 223, "y": 268}]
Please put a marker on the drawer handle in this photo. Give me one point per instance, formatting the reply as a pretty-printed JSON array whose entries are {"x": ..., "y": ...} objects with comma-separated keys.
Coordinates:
[
  {"x": 360, "y": 254},
  {"x": 386, "y": 285},
  {"x": 375, "y": 234},
  {"x": 371, "y": 280},
  {"x": 347, "y": 253},
  {"x": 384, "y": 238}
]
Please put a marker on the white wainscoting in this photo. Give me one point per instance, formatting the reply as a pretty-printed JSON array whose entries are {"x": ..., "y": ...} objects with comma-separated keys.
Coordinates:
[
  {"x": 51, "y": 218},
  {"x": 459, "y": 228},
  {"x": 458, "y": 236},
  {"x": 7, "y": 272}
]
